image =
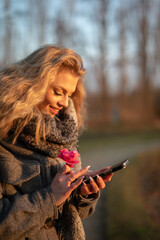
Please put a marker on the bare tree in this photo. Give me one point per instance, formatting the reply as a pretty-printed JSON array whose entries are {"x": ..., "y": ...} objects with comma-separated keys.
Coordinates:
[
  {"x": 66, "y": 32},
  {"x": 7, "y": 31},
  {"x": 42, "y": 19},
  {"x": 143, "y": 40},
  {"x": 121, "y": 20},
  {"x": 102, "y": 18},
  {"x": 37, "y": 20},
  {"x": 156, "y": 61},
  {"x": 156, "y": 41}
]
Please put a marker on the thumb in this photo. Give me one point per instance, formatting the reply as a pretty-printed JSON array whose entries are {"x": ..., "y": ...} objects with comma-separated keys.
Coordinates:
[{"x": 65, "y": 169}]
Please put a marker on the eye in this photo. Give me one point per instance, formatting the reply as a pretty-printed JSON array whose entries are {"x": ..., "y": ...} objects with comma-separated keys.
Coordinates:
[{"x": 57, "y": 93}]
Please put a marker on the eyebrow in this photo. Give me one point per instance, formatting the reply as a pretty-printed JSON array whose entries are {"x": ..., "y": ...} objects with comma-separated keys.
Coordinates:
[{"x": 64, "y": 90}]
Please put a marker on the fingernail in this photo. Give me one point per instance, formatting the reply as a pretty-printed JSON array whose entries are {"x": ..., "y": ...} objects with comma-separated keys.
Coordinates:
[
  {"x": 90, "y": 178},
  {"x": 88, "y": 167},
  {"x": 98, "y": 177}
]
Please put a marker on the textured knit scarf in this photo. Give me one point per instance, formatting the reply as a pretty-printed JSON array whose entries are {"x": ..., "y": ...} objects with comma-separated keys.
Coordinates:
[{"x": 62, "y": 133}]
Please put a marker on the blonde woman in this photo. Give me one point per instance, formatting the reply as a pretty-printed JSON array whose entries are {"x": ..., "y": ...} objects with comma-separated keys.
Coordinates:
[{"x": 41, "y": 111}]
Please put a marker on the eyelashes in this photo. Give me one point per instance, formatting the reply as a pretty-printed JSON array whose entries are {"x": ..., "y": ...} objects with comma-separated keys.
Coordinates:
[{"x": 60, "y": 94}]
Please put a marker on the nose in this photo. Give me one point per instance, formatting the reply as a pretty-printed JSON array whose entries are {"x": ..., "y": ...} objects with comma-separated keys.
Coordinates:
[{"x": 63, "y": 101}]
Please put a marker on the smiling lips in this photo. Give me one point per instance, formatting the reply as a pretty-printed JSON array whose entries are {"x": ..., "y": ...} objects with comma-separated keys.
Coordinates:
[{"x": 54, "y": 110}]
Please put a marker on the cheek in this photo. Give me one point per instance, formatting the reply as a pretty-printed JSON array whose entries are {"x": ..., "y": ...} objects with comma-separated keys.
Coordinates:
[
  {"x": 47, "y": 101},
  {"x": 50, "y": 99}
]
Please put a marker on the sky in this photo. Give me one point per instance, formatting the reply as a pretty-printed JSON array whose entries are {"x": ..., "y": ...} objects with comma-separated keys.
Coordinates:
[{"x": 83, "y": 18}]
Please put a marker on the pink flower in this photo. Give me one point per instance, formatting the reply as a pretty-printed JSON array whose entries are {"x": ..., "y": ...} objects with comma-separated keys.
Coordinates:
[{"x": 69, "y": 157}]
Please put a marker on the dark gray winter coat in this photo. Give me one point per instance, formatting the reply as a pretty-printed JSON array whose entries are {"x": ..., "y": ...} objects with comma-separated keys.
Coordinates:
[{"x": 27, "y": 205}]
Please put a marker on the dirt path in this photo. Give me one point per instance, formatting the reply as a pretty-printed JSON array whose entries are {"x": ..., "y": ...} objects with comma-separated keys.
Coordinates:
[{"x": 95, "y": 226}]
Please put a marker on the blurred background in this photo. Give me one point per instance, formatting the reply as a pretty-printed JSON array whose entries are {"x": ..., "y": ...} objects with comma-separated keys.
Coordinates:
[{"x": 118, "y": 41}]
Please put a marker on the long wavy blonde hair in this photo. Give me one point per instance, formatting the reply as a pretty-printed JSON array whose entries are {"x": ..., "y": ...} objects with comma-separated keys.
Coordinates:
[{"x": 23, "y": 86}]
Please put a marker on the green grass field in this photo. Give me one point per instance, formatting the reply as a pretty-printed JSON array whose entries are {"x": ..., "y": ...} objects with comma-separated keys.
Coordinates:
[
  {"x": 91, "y": 139},
  {"x": 133, "y": 196},
  {"x": 128, "y": 215}
]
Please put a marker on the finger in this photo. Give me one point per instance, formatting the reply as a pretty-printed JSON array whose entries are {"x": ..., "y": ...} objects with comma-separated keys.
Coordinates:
[
  {"x": 70, "y": 172},
  {"x": 65, "y": 169},
  {"x": 79, "y": 173},
  {"x": 84, "y": 189},
  {"x": 93, "y": 186},
  {"x": 100, "y": 182},
  {"x": 69, "y": 181},
  {"x": 97, "y": 172},
  {"x": 107, "y": 178},
  {"x": 75, "y": 184}
]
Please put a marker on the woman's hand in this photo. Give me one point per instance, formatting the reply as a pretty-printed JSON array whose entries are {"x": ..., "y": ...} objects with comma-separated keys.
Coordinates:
[
  {"x": 65, "y": 182},
  {"x": 94, "y": 185}
]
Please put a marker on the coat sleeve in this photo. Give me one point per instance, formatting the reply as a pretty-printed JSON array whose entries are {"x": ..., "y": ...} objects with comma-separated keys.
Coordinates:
[
  {"x": 85, "y": 205},
  {"x": 22, "y": 214}
]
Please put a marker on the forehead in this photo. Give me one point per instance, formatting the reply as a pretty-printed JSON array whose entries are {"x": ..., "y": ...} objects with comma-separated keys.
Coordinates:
[{"x": 67, "y": 80}]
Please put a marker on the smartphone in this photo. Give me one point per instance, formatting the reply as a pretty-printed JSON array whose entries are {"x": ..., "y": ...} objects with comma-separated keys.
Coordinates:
[{"x": 112, "y": 169}]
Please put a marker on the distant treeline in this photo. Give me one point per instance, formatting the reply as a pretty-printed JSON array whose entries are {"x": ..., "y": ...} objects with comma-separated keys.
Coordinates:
[{"x": 118, "y": 41}]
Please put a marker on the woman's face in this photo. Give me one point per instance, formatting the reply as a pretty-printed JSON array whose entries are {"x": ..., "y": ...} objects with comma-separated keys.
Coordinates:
[{"x": 58, "y": 94}]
